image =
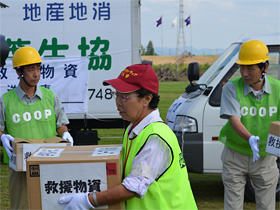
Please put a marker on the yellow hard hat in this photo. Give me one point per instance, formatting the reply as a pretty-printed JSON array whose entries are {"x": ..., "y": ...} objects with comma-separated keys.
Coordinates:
[
  {"x": 25, "y": 56},
  {"x": 252, "y": 52}
]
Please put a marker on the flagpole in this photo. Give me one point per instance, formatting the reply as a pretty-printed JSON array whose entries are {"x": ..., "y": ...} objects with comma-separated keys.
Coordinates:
[
  {"x": 161, "y": 45},
  {"x": 191, "y": 40},
  {"x": 159, "y": 22},
  {"x": 177, "y": 48}
]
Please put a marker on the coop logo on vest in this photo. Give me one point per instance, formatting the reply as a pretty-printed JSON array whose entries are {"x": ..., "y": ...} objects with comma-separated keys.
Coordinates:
[
  {"x": 262, "y": 111},
  {"x": 27, "y": 116}
]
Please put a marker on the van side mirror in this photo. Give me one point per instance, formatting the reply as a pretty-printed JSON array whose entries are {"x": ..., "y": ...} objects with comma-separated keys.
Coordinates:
[
  {"x": 193, "y": 75},
  {"x": 193, "y": 71}
]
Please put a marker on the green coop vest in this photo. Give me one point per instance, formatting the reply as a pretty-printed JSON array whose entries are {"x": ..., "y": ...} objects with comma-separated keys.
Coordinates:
[
  {"x": 172, "y": 189},
  {"x": 256, "y": 116},
  {"x": 30, "y": 121}
]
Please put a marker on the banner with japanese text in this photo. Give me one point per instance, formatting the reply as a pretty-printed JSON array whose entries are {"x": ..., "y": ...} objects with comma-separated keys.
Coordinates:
[
  {"x": 67, "y": 78},
  {"x": 101, "y": 31}
]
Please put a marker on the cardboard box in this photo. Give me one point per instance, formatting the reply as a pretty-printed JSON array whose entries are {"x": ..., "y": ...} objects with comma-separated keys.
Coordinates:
[
  {"x": 273, "y": 139},
  {"x": 24, "y": 148},
  {"x": 56, "y": 172}
]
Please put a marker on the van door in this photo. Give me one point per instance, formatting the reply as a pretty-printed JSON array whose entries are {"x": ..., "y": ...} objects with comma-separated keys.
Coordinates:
[{"x": 212, "y": 123}]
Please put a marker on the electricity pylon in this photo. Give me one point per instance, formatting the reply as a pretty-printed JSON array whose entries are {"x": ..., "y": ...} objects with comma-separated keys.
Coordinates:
[{"x": 181, "y": 32}]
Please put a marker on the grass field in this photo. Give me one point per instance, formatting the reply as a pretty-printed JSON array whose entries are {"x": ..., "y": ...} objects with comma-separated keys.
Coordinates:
[{"x": 207, "y": 189}]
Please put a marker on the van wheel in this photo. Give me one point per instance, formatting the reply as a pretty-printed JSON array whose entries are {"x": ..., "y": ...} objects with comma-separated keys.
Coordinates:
[{"x": 249, "y": 190}]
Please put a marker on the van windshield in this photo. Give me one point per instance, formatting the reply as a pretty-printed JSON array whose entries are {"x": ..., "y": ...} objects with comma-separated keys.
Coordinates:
[{"x": 219, "y": 64}]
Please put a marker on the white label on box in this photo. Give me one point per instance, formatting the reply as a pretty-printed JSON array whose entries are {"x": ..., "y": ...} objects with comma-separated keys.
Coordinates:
[
  {"x": 58, "y": 180},
  {"x": 273, "y": 145},
  {"x": 47, "y": 152},
  {"x": 104, "y": 151},
  {"x": 29, "y": 149}
]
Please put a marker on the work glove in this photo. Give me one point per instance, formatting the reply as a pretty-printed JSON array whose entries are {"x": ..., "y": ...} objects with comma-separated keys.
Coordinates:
[
  {"x": 66, "y": 136},
  {"x": 77, "y": 201},
  {"x": 254, "y": 143},
  {"x": 6, "y": 141}
]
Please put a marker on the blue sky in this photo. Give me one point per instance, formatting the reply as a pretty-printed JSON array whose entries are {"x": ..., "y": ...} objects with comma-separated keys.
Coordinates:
[{"x": 214, "y": 23}]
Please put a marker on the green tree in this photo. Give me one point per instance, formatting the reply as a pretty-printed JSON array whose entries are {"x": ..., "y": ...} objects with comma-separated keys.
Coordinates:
[
  {"x": 143, "y": 50},
  {"x": 150, "y": 49}
]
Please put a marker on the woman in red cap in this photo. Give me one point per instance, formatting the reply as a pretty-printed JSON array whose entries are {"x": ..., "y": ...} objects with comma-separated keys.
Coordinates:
[{"x": 154, "y": 171}]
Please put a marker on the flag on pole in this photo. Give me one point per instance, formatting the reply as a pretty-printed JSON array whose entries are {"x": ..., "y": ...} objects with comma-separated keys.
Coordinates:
[
  {"x": 174, "y": 22},
  {"x": 159, "y": 21},
  {"x": 188, "y": 21}
]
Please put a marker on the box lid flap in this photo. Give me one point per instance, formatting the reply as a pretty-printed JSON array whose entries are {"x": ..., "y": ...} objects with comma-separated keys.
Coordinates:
[
  {"x": 54, "y": 139},
  {"x": 20, "y": 140}
]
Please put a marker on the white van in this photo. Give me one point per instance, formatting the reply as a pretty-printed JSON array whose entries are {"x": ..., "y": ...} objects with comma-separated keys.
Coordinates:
[{"x": 195, "y": 115}]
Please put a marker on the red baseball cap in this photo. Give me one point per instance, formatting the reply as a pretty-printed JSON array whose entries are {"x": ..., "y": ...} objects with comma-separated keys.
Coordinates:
[{"x": 135, "y": 77}]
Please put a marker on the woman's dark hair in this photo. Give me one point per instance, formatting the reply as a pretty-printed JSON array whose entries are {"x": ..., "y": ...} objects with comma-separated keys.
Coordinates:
[{"x": 155, "y": 100}]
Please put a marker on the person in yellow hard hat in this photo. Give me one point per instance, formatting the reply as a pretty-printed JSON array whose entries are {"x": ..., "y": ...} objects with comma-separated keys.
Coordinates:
[
  {"x": 30, "y": 112},
  {"x": 250, "y": 103}
]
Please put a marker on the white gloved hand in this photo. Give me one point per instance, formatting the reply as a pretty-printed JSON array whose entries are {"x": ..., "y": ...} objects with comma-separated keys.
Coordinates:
[
  {"x": 6, "y": 141},
  {"x": 66, "y": 136},
  {"x": 77, "y": 201},
  {"x": 254, "y": 143}
]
